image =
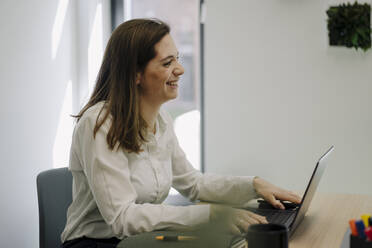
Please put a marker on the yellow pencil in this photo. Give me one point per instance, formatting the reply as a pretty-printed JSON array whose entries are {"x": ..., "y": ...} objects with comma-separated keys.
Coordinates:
[
  {"x": 365, "y": 218},
  {"x": 175, "y": 238}
]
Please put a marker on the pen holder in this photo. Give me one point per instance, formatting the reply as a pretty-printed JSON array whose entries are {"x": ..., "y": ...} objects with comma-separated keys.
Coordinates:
[{"x": 356, "y": 242}]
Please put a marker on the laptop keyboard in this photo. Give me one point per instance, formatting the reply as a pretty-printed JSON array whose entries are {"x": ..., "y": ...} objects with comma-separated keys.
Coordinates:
[{"x": 284, "y": 217}]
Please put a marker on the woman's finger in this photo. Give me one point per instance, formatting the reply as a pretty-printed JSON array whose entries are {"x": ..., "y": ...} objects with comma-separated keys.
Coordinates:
[
  {"x": 270, "y": 198},
  {"x": 243, "y": 219},
  {"x": 243, "y": 224},
  {"x": 234, "y": 229},
  {"x": 261, "y": 219},
  {"x": 285, "y": 195},
  {"x": 296, "y": 198},
  {"x": 250, "y": 219}
]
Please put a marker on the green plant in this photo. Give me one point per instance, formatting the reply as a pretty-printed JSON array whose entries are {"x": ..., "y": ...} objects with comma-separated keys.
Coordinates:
[{"x": 350, "y": 25}]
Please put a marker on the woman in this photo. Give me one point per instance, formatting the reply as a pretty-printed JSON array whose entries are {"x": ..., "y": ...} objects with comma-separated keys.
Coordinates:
[{"x": 125, "y": 156}]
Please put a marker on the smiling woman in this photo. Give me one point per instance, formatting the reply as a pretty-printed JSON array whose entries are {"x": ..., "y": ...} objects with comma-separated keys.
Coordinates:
[{"x": 125, "y": 155}]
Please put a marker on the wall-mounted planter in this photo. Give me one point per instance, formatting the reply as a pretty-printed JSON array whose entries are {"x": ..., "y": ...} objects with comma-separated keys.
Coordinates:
[{"x": 350, "y": 25}]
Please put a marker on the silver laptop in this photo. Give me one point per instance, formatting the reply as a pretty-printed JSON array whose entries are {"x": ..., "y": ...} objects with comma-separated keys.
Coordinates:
[{"x": 294, "y": 213}]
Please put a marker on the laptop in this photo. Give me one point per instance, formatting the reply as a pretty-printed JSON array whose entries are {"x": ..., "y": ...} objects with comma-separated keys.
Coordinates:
[{"x": 292, "y": 216}]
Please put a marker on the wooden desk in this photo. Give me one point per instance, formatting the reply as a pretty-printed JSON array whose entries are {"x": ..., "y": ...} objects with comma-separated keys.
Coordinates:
[
  {"x": 327, "y": 220},
  {"x": 324, "y": 225}
]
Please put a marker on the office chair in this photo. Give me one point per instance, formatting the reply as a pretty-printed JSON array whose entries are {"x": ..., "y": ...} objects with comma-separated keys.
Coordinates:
[{"x": 54, "y": 191}]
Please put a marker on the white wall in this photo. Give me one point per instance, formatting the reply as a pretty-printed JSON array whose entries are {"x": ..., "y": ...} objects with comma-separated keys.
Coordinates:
[
  {"x": 277, "y": 96},
  {"x": 33, "y": 85}
]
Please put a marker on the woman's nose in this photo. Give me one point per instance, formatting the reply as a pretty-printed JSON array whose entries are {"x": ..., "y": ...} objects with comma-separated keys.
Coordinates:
[{"x": 179, "y": 70}]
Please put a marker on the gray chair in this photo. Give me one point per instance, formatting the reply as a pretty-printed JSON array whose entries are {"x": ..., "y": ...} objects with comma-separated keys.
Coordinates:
[{"x": 54, "y": 191}]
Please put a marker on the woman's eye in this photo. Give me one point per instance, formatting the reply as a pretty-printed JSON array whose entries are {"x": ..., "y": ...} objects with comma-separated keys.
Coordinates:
[{"x": 168, "y": 63}]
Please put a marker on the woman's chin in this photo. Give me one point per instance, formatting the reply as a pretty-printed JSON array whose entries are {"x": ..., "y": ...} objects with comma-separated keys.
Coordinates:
[{"x": 172, "y": 96}]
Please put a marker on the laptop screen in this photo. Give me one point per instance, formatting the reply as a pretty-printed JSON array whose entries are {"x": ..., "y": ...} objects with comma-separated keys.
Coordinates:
[{"x": 311, "y": 188}]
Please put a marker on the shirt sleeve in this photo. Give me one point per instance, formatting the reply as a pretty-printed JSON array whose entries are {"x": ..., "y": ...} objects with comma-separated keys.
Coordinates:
[
  {"x": 191, "y": 183},
  {"x": 108, "y": 177}
]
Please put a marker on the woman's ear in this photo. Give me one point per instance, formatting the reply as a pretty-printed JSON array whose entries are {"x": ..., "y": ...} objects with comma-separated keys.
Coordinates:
[{"x": 138, "y": 78}]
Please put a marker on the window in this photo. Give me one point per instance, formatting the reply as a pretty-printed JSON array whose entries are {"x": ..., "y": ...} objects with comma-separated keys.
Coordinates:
[
  {"x": 183, "y": 18},
  {"x": 90, "y": 36}
]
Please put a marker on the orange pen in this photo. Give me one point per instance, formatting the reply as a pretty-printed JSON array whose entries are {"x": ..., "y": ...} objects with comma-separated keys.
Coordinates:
[{"x": 353, "y": 228}]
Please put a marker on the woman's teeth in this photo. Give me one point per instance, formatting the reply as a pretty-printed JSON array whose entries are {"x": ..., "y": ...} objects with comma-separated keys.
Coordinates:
[{"x": 172, "y": 83}]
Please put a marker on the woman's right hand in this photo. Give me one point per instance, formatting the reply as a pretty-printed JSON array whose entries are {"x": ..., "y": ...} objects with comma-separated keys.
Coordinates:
[{"x": 238, "y": 219}]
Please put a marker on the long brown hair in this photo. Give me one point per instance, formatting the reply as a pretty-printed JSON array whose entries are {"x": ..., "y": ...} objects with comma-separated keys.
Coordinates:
[{"x": 128, "y": 51}]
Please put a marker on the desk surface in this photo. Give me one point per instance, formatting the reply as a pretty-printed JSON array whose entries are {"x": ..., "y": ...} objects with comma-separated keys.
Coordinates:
[
  {"x": 324, "y": 225},
  {"x": 327, "y": 220}
]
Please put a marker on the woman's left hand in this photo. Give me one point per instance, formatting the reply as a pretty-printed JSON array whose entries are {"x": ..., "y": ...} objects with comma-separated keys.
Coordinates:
[{"x": 273, "y": 194}]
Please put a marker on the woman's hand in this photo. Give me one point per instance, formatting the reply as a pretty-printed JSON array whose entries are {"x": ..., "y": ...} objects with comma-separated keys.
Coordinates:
[
  {"x": 238, "y": 220},
  {"x": 273, "y": 194}
]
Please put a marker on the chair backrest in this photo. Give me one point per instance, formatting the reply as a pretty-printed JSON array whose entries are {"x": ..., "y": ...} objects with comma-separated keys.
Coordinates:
[{"x": 54, "y": 191}]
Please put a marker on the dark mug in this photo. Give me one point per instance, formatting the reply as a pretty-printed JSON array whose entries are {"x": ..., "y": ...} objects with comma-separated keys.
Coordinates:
[{"x": 267, "y": 236}]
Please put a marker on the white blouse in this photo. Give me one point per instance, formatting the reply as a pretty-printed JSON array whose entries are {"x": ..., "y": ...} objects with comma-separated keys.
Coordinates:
[{"x": 119, "y": 194}]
